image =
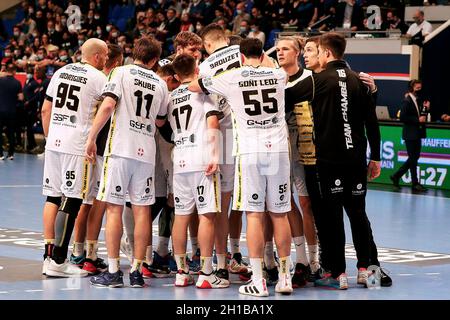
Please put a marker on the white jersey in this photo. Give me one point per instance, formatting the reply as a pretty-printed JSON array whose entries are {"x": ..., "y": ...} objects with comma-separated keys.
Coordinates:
[
  {"x": 74, "y": 91},
  {"x": 256, "y": 97},
  {"x": 223, "y": 59},
  {"x": 142, "y": 96},
  {"x": 187, "y": 115}
]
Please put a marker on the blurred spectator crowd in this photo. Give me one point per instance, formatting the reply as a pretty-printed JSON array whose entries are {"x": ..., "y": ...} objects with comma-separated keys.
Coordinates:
[{"x": 48, "y": 34}]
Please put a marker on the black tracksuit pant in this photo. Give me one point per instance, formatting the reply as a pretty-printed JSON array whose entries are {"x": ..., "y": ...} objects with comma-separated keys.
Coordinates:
[{"x": 333, "y": 188}]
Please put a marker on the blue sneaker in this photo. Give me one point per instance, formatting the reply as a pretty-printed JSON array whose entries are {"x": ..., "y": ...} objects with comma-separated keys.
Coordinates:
[
  {"x": 194, "y": 263},
  {"x": 136, "y": 279},
  {"x": 106, "y": 279},
  {"x": 78, "y": 261},
  {"x": 172, "y": 264},
  {"x": 340, "y": 283}
]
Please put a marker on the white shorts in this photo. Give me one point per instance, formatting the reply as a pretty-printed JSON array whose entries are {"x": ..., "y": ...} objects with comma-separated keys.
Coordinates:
[
  {"x": 195, "y": 190},
  {"x": 122, "y": 175},
  {"x": 94, "y": 181},
  {"x": 227, "y": 177},
  {"x": 297, "y": 169},
  {"x": 262, "y": 183},
  {"x": 66, "y": 174}
]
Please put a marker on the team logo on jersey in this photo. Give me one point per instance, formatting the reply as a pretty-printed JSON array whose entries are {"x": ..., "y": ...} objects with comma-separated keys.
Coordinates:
[
  {"x": 182, "y": 163},
  {"x": 359, "y": 186},
  {"x": 98, "y": 184},
  {"x": 73, "y": 119},
  {"x": 207, "y": 82},
  {"x": 147, "y": 190},
  {"x": 282, "y": 197},
  {"x": 337, "y": 182},
  {"x": 274, "y": 120},
  {"x": 57, "y": 142},
  {"x": 69, "y": 183},
  {"x": 268, "y": 144},
  {"x": 245, "y": 73},
  {"x": 201, "y": 199},
  {"x": 140, "y": 152},
  {"x": 255, "y": 196},
  {"x": 118, "y": 188},
  {"x": 133, "y": 72},
  {"x": 47, "y": 180},
  {"x": 109, "y": 87},
  {"x": 149, "y": 128},
  {"x": 177, "y": 200}
]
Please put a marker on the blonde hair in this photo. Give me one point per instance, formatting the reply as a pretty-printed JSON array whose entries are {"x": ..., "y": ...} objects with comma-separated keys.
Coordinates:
[{"x": 297, "y": 41}]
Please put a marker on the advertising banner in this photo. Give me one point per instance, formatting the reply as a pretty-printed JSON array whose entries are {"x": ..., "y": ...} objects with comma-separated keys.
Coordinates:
[{"x": 433, "y": 169}]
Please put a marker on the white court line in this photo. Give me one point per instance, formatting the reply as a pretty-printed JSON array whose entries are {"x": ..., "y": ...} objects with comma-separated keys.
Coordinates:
[
  {"x": 20, "y": 185},
  {"x": 410, "y": 194},
  {"x": 432, "y": 273},
  {"x": 4, "y": 291},
  {"x": 37, "y": 290},
  {"x": 405, "y": 274},
  {"x": 69, "y": 289}
]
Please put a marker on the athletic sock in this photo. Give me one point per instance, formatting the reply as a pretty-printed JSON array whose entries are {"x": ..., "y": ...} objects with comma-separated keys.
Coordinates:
[
  {"x": 221, "y": 260},
  {"x": 149, "y": 255},
  {"x": 234, "y": 244},
  {"x": 163, "y": 246},
  {"x": 78, "y": 248},
  {"x": 269, "y": 257},
  {"x": 137, "y": 265},
  {"x": 313, "y": 252},
  {"x": 113, "y": 265},
  {"x": 206, "y": 265},
  {"x": 285, "y": 263},
  {"x": 194, "y": 245},
  {"x": 257, "y": 268},
  {"x": 91, "y": 249},
  {"x": 49, "y": 244},
  {"x": 300, "y": 250},
  {"x": 180, "y": 259}
]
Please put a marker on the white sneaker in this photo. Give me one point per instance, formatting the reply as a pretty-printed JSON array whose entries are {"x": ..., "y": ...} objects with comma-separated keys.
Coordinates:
[
  {"x": 362, "y": 276},
  {"x": 211, "y": 281},
  {"x": 2, "y": 158},
  {"x": 45, "y": 265},
  {"x": 183, "y": 279},
  {"x": 66, "y": 270},
  {"x": 127, "y": 248},
  {"x": 284, "y": 284},
  {"x": 255, "y": 288}
]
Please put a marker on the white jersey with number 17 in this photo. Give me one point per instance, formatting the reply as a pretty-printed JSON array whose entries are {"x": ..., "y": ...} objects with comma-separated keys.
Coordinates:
[
  {"x": 256, "y": 97},
  {"x": 142, "y": 97},
  {"x": 74, "y": 91}
]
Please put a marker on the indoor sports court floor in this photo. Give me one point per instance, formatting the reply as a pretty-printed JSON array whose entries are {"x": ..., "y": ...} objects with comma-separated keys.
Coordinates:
[{"x": 411, "y": 231}]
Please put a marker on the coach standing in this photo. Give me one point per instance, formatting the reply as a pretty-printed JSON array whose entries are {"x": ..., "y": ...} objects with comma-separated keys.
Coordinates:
[
  {"x": 10, "y": 95},
  {"x": 344, "y": 112},
  {"x": 413, "y": 132}
]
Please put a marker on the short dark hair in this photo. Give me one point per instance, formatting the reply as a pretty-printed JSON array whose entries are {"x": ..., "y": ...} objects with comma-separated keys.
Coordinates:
[
  {"x": 314, "y": 39},
  {"x": 166, "y": 70},
  {"x": 184, "y": 65},
  {"x": 334, "y": 42},
  {"x": 251, "y": 48},
  {"x": 11, "y": 68},
  {"x": 412, "y": 83},
  {"x": 114, "y": 52},
  {"x": 235, "y": 40},
  {"x": 146, "y": 49},
  {"x": 187, "y": 38},
  {"x": 214, "y": 31}
]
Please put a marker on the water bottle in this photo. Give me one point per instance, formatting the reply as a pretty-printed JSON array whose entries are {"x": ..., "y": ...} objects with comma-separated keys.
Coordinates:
[{"x": 373, "y": 277}]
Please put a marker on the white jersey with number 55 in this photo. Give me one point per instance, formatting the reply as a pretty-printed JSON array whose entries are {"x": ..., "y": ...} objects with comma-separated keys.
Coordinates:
[
  {"x": 256, "y": 97},
  {"x": 142, "y": 97},
  {"x": 74, "y": 91}
]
